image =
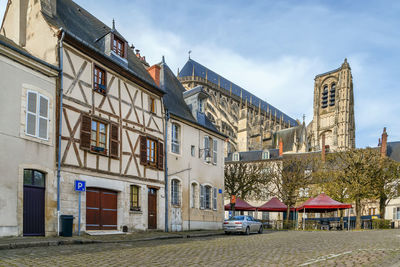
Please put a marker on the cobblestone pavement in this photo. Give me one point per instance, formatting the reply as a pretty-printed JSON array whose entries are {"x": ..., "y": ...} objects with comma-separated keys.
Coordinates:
[{"x": 293, "y": 248}]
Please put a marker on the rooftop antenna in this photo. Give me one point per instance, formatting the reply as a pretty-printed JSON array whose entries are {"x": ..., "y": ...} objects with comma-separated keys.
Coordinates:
[
  {"x": 304, "y": 118},
  {"x": 113, "y": 24},
  {"x": 190, "y": 51},
  {"x": 163, "y": 59}
]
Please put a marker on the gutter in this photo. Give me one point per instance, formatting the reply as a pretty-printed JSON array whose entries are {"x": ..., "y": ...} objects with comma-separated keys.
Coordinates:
[
  {"x": 166, "y": 168},
  {"x": 60, "y": 53}
]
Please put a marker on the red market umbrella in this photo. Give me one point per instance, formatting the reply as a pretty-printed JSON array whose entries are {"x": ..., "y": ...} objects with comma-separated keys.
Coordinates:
[
  {"x": 241, "y": 205},
  {"x": 274, "y": 204},
  {"x": 322, "y": 203}
]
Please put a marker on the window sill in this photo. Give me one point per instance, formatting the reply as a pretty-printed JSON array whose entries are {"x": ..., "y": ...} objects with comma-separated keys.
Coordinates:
[
  {"x": 101, "y": 153},
  {"x": 100, "y": 91},
  {"x": 176, "y": 205},
  {"x": 139, "y": 212}
]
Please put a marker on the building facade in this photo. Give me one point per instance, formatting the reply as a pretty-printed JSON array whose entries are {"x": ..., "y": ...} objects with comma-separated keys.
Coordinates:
[
  {"x": 112, "y": 130},
  {"x": 194, "y": 156},
  {"x": 28, "y": 139}
]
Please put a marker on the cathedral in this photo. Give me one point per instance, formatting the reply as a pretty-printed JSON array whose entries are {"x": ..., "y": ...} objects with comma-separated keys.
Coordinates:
[{"x": 253, "y": 124}]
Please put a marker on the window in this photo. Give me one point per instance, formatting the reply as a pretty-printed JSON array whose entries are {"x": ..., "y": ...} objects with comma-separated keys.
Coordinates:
[
  {"x": 98, "y": 137},
  {"x": 151, "y": 152},
  {"x": 135, "y": 197},
  {"x": 207, "y": 197},
  {"x": 215, "y": 198},
  {"x": 118, "y": 47},
  {"x": 250, "y": 217},
  {"x": 265, "y": 215},
  {"x": 206, "y": 151},
  {"x": 152, "y": 105},
  {"x": 265, "y": 155},
  {"x": 99, "y": 80},
  {"x": 193, "y": 151},
  {"x": 396, "y": 213},
  {"x": 175, "y": 192},
  {"x": 201, "y": 105},
  {"x": 37, "y": 115},
  {"x": 202, "y": 197},
  {"x": 332, "y": 95},
  {"x": 194, "y": 195},
  {"x": 324, "y": 102},
  {"x": 175, "y": 138},
  {"x": 215, "y": 151},
  {"x": 34, "y": 178},
  {"x": 371, "y": 211},
  {"x": 235, "y": 156}
]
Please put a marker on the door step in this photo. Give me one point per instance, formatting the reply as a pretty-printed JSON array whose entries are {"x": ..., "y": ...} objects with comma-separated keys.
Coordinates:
[{"x": 104, "y": 232}]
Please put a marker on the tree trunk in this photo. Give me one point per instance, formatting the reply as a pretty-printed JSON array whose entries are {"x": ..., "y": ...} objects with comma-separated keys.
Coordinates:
[
  {"x": 287, "y": 217},
  {"x": 341, "y": 219},
  {"x": 358, "y": 214},
  {"x": 233, "y": 209},
  {"x": 382, "y": 206}
]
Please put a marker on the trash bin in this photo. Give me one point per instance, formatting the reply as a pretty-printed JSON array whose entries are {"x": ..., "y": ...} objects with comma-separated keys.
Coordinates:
[{"x": 66, "y": 225}]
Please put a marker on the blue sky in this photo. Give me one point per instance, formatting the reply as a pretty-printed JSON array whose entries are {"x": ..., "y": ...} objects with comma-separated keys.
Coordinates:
[{"x": 274, "y": 49}]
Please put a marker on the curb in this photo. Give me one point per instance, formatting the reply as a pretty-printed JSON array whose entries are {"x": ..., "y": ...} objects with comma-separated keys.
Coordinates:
[{"x": 86, "y": 241}]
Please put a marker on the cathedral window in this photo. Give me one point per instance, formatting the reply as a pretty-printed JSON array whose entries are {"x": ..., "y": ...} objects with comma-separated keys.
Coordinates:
[
  {"x": 332, "y": 95},
  {"x": 324, "y": 102}
]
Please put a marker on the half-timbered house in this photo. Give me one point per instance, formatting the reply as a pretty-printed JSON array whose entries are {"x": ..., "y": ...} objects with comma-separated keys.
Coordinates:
[
  {"x": 111, "y": 110},
  {"x": 195, "y": 157}
]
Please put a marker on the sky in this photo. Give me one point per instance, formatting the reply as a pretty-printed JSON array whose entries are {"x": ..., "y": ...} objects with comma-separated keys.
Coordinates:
[{"x": 274, "y": 49}]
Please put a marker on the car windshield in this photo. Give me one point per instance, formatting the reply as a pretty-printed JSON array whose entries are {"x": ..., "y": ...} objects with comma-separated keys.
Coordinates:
[{"x": 237, "y": 218}]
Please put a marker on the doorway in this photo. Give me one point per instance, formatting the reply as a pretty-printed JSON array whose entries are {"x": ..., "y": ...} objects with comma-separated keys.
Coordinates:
[
  {"x": 152, "y": 208},
  {"x": 101, "y": 209},
  {"x": 34, "y": 203}
]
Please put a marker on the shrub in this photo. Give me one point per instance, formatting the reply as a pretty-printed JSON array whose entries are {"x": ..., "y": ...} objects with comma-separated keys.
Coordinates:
[{"x": 381, "y": 224}]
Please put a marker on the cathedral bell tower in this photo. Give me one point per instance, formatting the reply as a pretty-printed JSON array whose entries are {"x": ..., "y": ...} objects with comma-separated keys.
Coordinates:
[{"x": 333, "y": 110}]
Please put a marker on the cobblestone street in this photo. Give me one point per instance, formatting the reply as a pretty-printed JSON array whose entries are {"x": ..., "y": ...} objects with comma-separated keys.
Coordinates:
[{"x": 365, "y": 248}]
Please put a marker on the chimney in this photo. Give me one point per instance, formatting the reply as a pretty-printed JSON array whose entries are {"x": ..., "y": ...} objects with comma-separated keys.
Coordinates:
[
  {"x": 323, "y": 148},
  {"x": 137, "y": 53},
  {"x": 154, "y": 72},
  {"x": 280, "y": 147},
  {"x": 384, "y": 143},
  {"x": 133, "y": 48}
]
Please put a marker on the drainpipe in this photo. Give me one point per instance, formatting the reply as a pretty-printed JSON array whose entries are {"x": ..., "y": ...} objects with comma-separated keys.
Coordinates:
[
  {"x": 166, "y": 168},
  {"x": 60, "y": 53}
]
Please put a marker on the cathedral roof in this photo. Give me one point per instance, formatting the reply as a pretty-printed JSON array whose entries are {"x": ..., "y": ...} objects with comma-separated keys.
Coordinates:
[
  {"x": 393, "y": 150},
  {"x": 194, "y": 68},
  {"x": 288, "y": 137},
  {"x": 90, "y": 32},
  {"x": 174, "y": 102}
]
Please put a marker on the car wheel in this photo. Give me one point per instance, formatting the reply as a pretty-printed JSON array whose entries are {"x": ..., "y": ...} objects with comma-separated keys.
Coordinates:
[
  {"x": 247, "y": 231},
  {"x": 227, "y": 233},
  {"x": 260, "y": 231}
]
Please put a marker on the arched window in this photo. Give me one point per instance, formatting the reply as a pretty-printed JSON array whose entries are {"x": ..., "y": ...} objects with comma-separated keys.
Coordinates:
[
  {"x": 324, "y": 102},
  {"x": 205, "y": 197},
  {"x": 175, "y": 199},
  {"x": 265, "y": 154},
  {"x": 332, "y": 95}
]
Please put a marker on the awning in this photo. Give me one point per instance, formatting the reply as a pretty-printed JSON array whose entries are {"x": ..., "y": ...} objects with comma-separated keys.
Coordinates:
[
  {"x": 322, "y": 203},
  {"x": 274, "y": 204},
  {"x": 241, "y": 205}
]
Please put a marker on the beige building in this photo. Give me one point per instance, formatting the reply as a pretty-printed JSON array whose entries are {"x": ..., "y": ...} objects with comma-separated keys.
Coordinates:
[
  {"x": 195, "y": 157},
  {"x": 27, "y": 137},
  {"x": 112, "y": 115}
]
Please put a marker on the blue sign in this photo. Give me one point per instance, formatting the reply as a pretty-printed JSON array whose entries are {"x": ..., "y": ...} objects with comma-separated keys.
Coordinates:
[
  {"x": 80, "y": 185},
  {"x": 220, "y": 191}
]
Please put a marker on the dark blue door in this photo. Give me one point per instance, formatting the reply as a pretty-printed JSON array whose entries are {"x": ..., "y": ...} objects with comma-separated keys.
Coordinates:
[{"x": 34, "y": 194}]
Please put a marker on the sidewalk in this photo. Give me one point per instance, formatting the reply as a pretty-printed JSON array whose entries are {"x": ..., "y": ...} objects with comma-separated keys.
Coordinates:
[{"x": 25, "y": 242}]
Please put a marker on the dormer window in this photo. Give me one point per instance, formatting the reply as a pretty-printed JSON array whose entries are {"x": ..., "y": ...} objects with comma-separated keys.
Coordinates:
[
  {"x": 235, "y": 156},
  {"x": 201, "y": 105},
  {"x": 118, "y": 47},
  {"x": 99, "y": 80},
  {"x": 265, "y": 154}
]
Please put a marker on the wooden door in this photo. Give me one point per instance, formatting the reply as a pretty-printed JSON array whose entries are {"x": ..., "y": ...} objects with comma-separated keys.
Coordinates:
[
  {"x": 33, "y": 221},
  {"x": 152, "y": 208},
  {"x": 101, "y": 209}
]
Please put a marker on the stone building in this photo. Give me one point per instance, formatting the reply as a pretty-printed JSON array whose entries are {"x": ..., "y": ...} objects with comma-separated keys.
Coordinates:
[
  {"x": 333, "y": 111},
  {"x": 249, "y": 121},
  {"x": 28, "y": 203},
  {"x": 112, "y": 130},
  {"x": 253, "y": 124},
  {"x": 195, "y": 157}
]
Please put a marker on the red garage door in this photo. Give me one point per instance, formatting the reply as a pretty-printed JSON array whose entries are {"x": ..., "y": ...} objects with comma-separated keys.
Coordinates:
[{"x": 101, "y": 209}]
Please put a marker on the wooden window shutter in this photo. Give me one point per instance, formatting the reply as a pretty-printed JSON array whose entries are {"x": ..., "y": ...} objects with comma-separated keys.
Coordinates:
[
  {"x": 85, "y": 132},
  {"x": 114, "y": 143},
  {"x": 160, "y": 163},
  {"x": 143, "y": 150}
]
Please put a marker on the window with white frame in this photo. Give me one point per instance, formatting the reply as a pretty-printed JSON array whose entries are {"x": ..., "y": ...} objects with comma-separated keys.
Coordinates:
[
  {"x": 175, "y": 144},
  {"x": 192, "y": 151},
  {"x": 265, "y": 154},
  {"x": 206, "y": 151},
  {"x": 175, "y": 192},
  {"x": 37, "y": 115},
  {"x": 396, "y": 213},
  {"x": 202, "y": 197},
  {"x": 207, "y": 197},
  {"x": 215, "y": 198},
  {"x": 235, "y": 156},
  {"x": 215, "y": 151}
]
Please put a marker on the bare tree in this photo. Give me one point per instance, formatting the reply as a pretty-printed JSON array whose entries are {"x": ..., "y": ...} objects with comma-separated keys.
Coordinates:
[
  {"x": 289, "y": 176},
  {"x": 245, "y": 179}
]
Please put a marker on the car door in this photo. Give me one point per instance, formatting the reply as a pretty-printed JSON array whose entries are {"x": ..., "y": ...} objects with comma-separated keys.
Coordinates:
[{"x": 251, "y": 223}]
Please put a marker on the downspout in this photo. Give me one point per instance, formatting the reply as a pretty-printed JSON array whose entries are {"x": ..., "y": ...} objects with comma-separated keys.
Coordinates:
[
  {"x": 60, "y": 53},
  {"x": 166, "y": 168}
]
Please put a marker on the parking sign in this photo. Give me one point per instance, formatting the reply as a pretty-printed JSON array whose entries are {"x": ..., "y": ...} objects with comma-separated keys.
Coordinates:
[{"x": 80, "y": 185}]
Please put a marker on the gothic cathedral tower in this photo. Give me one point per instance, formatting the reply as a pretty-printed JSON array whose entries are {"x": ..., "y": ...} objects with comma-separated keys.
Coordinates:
[{"x": 333, "y": 111}]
